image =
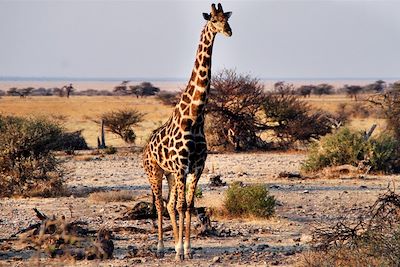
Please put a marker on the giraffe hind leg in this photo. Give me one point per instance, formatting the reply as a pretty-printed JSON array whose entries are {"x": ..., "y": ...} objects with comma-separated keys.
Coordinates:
[{"x": 155, "y": 174}]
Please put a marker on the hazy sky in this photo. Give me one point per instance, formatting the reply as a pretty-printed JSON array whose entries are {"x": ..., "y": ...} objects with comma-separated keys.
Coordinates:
[{"x": 158, "y": 39}]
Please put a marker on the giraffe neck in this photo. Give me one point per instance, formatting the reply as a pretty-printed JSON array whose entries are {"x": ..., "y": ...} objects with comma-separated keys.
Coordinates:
[{"x": 194, "y": 98}]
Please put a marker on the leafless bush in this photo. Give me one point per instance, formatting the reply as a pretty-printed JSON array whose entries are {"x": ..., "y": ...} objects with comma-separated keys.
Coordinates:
[
  {"x": 282, "y": 88},
  {"x": 73, "y": 240},
  {"x": 291, "y": 119},
  {"x": 374, "y": 233},
  {"x": 389, "y": 102},
  {"x": 239, "y": 112},
  {"x": 234, "y": 103}
]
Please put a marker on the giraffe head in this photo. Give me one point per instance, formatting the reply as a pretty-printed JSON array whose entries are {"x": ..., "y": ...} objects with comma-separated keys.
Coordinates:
[{"x": 218, "y": 19}]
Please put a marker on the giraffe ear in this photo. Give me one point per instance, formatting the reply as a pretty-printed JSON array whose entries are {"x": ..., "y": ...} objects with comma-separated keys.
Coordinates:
[
  {"x": 227, "y": 15},
  {"x": 206, "y": 16}
]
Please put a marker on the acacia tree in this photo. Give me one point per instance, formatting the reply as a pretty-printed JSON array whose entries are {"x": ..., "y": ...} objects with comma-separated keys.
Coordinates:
[
  {"x": 233, "y": 105},
  {"x": 239, "y": 111},
  {"x": 322, "y": 89},
  {"x": 20, "y": 92},
  {"x": 353, "y": 90},
  {"x": 291, "y": 119},
  {"x": 305, "y": 90},
  {"x": 121, "y": 123}
]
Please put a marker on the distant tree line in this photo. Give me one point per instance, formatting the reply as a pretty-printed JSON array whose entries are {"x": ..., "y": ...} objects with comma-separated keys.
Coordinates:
[
  {"x": 379, "y": 86},
  {"x": 148, "y": 89},
  {"x": 141, "y": 90}
]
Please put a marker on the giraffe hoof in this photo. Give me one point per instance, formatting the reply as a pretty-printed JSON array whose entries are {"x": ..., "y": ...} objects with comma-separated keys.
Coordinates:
[
  {"x": 189, "y": 255},
  {"x": 179, "y": 257}
]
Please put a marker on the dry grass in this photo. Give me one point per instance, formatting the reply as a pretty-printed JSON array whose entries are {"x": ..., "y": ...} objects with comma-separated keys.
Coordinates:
[
  {"x": 112, "y": 196},
  {"x": 77, "y": 112},
  {"x": 341, "y": 257},
  {"x": 331, "y": 102}
]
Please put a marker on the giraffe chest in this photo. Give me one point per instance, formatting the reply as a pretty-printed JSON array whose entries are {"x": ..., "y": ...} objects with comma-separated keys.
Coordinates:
[{"x": 176, "y": 149}]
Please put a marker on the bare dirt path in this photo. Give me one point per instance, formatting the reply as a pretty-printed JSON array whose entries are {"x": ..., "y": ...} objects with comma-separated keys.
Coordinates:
[{"x": 277, "y": 241}]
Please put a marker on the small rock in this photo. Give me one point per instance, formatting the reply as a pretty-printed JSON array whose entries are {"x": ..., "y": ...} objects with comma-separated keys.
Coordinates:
[
  {"x": 216, "y": 259},
  {"x": 133, "y": 251},
  {"x": 274, "y": 186},
  {"x": 306, "y": 192}
]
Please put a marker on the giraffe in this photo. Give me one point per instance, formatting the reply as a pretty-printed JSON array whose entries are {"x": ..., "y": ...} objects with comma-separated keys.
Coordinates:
[{"x": 178, "y": 149}]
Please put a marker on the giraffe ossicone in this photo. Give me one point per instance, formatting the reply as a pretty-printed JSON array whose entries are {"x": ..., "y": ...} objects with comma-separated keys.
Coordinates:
[{"x": 178, "y": 149}]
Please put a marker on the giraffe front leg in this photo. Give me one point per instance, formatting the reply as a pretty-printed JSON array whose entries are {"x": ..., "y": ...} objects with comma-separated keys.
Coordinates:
[
  {"x": 193, "y": 179},
  {"x": 181, "y": 207},
  {"x": 171, "y": 210}
]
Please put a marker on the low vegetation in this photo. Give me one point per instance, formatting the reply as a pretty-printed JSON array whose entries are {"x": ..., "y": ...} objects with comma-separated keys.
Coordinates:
[
  {"x": 27, "y": 163},
  {"x": 367, "y": 238},
  {"x": 248, "y": 201},
  {"x": 353, "y": 147},
  {"x": 253, "y": 119},
  {"x": 121, "y": 123}
]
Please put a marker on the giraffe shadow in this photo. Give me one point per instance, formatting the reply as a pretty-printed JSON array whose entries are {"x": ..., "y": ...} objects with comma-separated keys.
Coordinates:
[{"x": 85, "y": 190}]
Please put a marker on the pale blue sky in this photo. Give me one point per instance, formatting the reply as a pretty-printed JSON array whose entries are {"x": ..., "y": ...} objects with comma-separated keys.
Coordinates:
[{"x": 158, "y": 39}]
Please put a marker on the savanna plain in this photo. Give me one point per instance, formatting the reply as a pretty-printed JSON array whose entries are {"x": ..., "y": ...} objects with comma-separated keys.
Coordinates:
[{"x": 103, "y": 188}]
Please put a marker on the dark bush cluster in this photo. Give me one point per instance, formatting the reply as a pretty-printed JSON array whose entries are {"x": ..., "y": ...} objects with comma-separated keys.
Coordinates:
[
  {"x": 141, "y": 90},
  {"x": 292, "y": 120},
  {"x": 241, "y": 114}
]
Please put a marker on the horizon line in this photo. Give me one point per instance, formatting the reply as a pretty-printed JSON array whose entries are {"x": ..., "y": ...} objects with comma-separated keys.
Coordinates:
[{"x": 177, "y": 79}]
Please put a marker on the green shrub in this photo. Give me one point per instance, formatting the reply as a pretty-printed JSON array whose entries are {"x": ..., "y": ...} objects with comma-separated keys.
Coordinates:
[
  {"x": 27, "y": 164},
  {"x": 252, "y": 200},
  {"x": 384, "y": 154},
  {"x": 341, "y": 147},
  {"x": 199, "y": 192},
  {"x": 350, "y": 147}
]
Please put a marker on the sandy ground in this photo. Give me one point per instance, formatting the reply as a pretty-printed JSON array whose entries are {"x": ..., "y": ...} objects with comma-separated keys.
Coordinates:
[{"x": 281, "y": 240}]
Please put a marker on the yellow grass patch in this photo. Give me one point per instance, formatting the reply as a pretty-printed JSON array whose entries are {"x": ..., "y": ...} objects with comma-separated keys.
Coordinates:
[{"x": 78, "y": 112}]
